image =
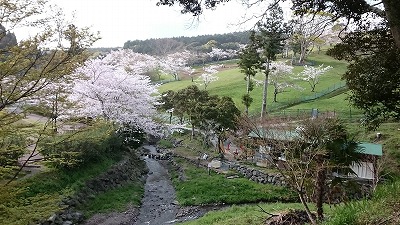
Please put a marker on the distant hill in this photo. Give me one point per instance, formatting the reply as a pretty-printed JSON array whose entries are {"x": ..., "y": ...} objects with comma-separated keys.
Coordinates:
[
  {"x": 7, "y": 39},
  {"x": 201, "y": 43}
]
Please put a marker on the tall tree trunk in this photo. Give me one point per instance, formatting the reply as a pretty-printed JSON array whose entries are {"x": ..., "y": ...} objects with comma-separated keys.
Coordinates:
[
  {"x": 319, "y": 188},
  {"x": 247, "y": 91},
  {"x": 265, "y": 91},
  {"x": 392, "y": 9}
]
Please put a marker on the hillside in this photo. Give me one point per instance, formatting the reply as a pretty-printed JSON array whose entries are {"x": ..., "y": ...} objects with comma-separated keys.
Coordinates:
[
  {"x": 201, "y": 43},
  {"x": 231, "y": 83}
]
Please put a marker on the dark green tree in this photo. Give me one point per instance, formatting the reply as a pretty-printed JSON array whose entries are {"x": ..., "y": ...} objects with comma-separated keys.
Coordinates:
[
  {"x": 268, "y": 40},
  {"x": 373, "y": 75},
  {"x": 189, "y": 101},
  {"x": 249, "y": 61},
  {"x": 220, "y": 115}
]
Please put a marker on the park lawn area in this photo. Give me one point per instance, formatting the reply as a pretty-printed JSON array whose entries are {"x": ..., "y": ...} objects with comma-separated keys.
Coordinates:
[
  {"x": 231, "y": 83},
  {"x": 338, "y": 103},
  {"x": 244, "y": 214},
  {"x": 199, "y": 188}
]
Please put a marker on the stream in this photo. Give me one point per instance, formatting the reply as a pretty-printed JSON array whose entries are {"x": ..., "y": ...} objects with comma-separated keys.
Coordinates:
[{"x": 158, "y": 206}]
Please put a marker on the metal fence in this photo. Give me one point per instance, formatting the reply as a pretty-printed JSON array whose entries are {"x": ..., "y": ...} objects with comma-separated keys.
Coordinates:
[
  {"x": 314, "y": 96},
  {"x": 346, "y": 115}
]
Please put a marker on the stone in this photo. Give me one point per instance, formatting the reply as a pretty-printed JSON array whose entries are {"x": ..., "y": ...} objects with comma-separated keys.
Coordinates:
[
  {"x": 52, "y": 218},
  {"x": 216, "y": 164}
]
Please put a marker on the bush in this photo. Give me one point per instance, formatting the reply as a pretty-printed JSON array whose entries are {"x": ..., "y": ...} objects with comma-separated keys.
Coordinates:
[
  {"x": 12, "y": 147},
  {"x": 165, "y": 143}
]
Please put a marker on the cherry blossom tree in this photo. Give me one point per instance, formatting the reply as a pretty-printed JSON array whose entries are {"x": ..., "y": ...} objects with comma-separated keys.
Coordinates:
[
  {"x": 190, "y": 72},
  {"x": 208, "y": 76},
  {"x": 174, "y": 63},
  {"x": 312, "y": 74},
  {"x": 307, "y": 29},
  {"x": 280, "y": 77},
  {"x": 132, "y": 61},
  {"x": 222, "y": 54},
  {"x": 115, "y": 90}
]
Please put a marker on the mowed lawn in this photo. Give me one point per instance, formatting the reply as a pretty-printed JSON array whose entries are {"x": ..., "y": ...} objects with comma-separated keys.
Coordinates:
[{"x": 231, "y": 83}]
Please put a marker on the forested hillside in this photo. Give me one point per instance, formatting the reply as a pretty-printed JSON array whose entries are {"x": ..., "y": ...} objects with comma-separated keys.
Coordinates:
[{"x": 201, "y": 43}]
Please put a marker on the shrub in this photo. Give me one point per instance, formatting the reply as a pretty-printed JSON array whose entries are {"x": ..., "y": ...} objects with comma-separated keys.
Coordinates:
[
  {"x": 12, "y": 147},
  {"x": 165, "y": 143}
]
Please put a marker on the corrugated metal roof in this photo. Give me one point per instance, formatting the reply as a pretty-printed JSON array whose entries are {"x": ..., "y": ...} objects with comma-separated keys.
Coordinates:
[
  {"x": 370, "y": 148},
  {"x": 274, "y": 134}
]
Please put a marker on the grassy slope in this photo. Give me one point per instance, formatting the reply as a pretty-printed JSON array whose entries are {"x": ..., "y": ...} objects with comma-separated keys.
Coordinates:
[
  {"x": 27, "y": 200},
  {"x": 38, "y": 197},
  {"x": 231, "y": 83}
]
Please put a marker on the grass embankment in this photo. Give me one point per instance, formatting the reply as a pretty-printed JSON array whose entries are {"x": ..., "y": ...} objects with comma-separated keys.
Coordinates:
[
  {"x": 200, "y": 188},
  {"x": 381, "y": 209},
  {"x": 115, "y": 200},
  {"x": 38, "y": 197},
  {"x": 79, "y": 157}
]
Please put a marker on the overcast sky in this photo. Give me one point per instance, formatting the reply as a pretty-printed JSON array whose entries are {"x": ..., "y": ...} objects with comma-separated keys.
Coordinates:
[{"x": 121, "y": 20}]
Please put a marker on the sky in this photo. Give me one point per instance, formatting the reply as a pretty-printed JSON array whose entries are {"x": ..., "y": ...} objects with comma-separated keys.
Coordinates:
[{"x": 121, "y": 20}]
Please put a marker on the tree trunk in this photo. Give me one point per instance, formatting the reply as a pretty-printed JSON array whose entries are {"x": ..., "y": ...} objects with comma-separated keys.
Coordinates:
[
  {"x": 265, "y": 92},
  {"x": 220, "y": 150},
  {"x": 247, "y": 91},
  {"x": 392, "y": 9},
  {"x": 303, "y": 52},
  {"x": 192, "y": 130},
  {"x": 319, "y": 189},
  {"x": 303, "y": 201},
  {"x": 275, "y": 94}
]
